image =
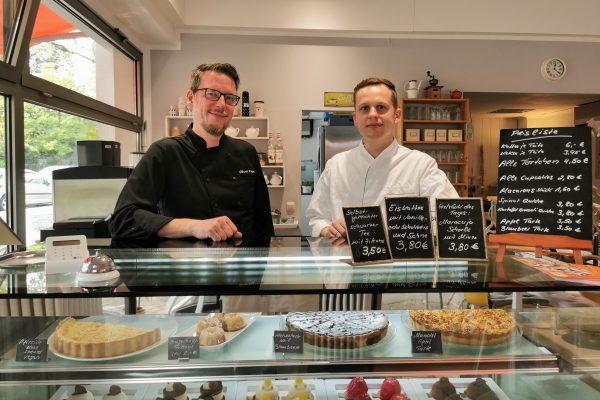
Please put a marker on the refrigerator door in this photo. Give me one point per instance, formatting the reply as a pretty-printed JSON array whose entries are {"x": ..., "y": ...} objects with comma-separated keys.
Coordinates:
[{"x": 335, "y": 139}]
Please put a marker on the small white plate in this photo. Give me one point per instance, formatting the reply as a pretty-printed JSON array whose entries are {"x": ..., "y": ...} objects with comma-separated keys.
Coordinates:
[
  {"x": 166, "y": 324},
  {"x": 229, "y": 336}
]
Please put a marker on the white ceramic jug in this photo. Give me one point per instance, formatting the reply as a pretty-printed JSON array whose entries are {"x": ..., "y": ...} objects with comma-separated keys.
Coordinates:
[
  {"x": 412, "y": 88},
  {"x": 252, "y": 132},
  {"x": 231, "y": 131}
]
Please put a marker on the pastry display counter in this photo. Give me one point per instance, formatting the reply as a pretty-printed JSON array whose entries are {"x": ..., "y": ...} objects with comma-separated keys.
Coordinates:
[{"x": 531, "y": 357}]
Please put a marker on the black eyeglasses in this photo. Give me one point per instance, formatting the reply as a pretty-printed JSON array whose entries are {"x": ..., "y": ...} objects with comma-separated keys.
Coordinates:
[{"x": 215, "y": 95}]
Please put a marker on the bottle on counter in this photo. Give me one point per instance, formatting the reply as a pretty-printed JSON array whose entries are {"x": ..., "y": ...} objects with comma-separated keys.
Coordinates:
[
  {"x": 279, "y": 150},
  {"x": 270, "y": 150}
]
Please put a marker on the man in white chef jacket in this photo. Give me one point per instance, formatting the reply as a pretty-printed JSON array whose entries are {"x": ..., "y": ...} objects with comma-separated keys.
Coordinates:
[{"x": 379, "y": 166}]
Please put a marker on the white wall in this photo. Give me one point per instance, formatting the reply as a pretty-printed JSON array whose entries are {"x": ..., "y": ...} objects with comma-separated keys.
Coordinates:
[{"x": 291, "y": 73}]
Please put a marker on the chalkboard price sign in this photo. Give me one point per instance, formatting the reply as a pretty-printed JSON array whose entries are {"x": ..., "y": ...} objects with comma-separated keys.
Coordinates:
[
  {"x": 426, "y": 342},
  {"x": 544, "y": 182},
  {"x": 366, "y": 234},
  {"x": 288, "y": 342},
  {"x": 460, "y": 228},
  {"x": 409, "y": 227},
  {"x": 32, "y": 350},
  {"x": 183, "y": 347}
]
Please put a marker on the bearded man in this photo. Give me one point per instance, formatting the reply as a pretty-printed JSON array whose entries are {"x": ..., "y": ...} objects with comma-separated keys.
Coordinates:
[{"x": 202, "y": 184}]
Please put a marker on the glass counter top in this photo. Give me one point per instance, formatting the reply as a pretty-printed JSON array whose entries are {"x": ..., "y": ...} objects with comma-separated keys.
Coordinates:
[{"x": 289, "y": 265}]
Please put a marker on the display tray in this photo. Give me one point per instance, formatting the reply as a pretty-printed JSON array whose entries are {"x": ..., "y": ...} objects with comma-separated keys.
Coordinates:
[
  {"x": 247, "y": 389},
  {"x": 554, "y": 387},
  {"x": 229, "y": 336},
  {"x": 133, "y": 392},
  {"x": 423, "y": 386},
  {"x": 336, "y": 388},
  {"x": 155, "y": 390},
  {"x": 166, "y": 324}
]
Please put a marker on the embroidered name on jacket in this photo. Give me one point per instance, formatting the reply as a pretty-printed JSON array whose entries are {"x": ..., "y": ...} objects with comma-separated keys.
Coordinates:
[{"x": 247, "y": 172}]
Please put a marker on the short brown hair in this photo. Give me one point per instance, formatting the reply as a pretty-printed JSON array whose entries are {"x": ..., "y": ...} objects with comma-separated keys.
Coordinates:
[
  {"x": 222, "y": 68},
  {"x": 375, "y": 82}
]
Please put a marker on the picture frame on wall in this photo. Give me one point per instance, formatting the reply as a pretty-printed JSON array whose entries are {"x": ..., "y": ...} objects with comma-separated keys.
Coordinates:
[{"x": 307, "y": 127}]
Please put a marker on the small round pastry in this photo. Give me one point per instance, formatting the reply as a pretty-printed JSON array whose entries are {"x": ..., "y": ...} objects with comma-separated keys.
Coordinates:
[
  {"x": 442, "y": 389},
  {"x": 233, "y": 322},
  {"x": 299, "y": 389},
  {"x": 206, "y": 323},
  {"x": 175, "y": 391},
  {"x": 115, "y": 393},
  {"x": 212, "y": 390},
  {"x": 357, "y": 389},
  {"x": 389, "y": 387},
  {"x": 477, "y": 388},
  {"x": 80, "y": 393},
  {"x": 267, "y": 391},
  {"x": 212, "y": 336}
]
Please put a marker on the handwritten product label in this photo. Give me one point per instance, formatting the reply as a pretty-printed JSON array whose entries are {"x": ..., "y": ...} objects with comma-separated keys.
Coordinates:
[
  {"x": 460, "y": 228},
  {"x": 288, "y": 342},
  {"x": 183, "y": 347},
  {"x": 426, "y": 342},
  {"x": 366, "y": 234},
  {"x": 32, "y": 350},
  {"x": 469, "y": 278},
  {"x": 409, "y": 227},
  {"x": 544, "y": 182}
]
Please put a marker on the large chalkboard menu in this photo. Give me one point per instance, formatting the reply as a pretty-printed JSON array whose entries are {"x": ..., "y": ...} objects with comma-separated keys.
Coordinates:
[
  {"x": 366, "y": 234},
  {"x": 409, "y": 227},
  {"x": 460, "y": 228},
  {"x": 544, "y": 182}
]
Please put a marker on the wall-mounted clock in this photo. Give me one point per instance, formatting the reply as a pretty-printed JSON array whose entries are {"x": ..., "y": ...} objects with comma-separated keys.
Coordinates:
[{"x": 554, "y": 69}]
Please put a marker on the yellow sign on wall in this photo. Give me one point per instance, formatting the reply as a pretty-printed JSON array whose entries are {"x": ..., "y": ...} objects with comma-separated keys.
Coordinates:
[{"x": 339, "y": 99}]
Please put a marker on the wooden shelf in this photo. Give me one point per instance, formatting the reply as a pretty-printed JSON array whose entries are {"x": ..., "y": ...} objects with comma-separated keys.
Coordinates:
[{"x": 428, "y": 108}]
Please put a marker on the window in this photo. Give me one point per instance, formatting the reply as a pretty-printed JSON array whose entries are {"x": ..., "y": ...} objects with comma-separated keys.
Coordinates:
[
  {"x": 77, "y": 78},
  {"x": 8, "y": 9},
  {"x": 68, "y": 53}
]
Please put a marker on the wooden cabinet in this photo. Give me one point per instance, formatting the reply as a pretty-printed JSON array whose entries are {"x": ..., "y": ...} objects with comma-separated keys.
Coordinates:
[{"x": 438, "y": 127}]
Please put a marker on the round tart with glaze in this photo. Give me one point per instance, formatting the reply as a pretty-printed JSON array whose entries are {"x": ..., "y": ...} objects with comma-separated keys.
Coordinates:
[
  {"x": 339, "y": 329},
  {"x": 115, "y": 393},
  {"x": 212, "y": 390},
  {"x": 175, "y": 391}
]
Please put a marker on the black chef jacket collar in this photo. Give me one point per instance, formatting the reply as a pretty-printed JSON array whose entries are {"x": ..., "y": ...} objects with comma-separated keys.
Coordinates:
[{"x": 198, "y": 142}]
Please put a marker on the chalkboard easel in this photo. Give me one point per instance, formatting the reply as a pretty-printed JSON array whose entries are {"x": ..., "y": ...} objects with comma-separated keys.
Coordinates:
[{"x": 540, "y": 242}]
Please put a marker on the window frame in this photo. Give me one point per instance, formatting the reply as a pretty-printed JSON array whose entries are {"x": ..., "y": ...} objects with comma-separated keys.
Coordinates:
[{"x": 19, "y": 86}]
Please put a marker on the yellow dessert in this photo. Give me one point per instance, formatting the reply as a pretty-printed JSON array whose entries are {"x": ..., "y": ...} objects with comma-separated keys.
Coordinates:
[{"x": 96, "y": 340}]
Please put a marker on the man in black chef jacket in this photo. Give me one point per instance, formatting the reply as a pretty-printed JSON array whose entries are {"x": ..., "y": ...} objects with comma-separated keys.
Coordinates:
[{"x": 202, "y": 184}]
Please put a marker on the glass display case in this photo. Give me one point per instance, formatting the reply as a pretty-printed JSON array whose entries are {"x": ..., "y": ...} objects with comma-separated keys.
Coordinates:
[{"x": 551, "y": 353}]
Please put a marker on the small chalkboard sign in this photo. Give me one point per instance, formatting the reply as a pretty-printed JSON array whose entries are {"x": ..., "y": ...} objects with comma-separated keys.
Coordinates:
[
  {"x": 409, "y": 228},
  {"x": 366, "y": 234},
  {"x": 460, "y": 229},
  {"x": 288, "y": 342},
  {"x": 426, "y": 342},
  {"x": 545, "y": 182},
  {"x": 32, "y": 350},
  {"x": 183, "y": 347}
]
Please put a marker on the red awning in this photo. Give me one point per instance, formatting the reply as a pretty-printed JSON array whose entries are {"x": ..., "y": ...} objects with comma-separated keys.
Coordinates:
[{"x": 48, "y": 26}]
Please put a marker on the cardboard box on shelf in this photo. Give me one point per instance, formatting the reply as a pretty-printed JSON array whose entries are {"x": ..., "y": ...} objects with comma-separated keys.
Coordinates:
[
  {"x": 455, "y": 135},
  {"x": 412, "y": 135},
  {"x": 429, "y": 135},
  {"x": 441, "y": 135}
]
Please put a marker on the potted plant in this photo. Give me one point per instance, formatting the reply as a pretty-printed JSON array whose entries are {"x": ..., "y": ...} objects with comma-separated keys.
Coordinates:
[{"x": 307, "y": 187}]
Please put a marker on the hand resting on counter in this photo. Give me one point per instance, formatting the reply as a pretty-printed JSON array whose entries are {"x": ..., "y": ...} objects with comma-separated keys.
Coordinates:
[{"x": 217, "y": 229}]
